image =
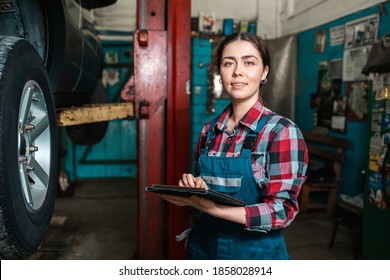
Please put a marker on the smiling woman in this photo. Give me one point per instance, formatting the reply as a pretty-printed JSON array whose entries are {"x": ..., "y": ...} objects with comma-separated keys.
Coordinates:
[{"x": 250, "y": 153}]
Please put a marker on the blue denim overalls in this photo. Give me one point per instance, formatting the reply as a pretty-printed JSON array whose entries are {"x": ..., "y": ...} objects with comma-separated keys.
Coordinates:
[{"x": 213, "y": 238}]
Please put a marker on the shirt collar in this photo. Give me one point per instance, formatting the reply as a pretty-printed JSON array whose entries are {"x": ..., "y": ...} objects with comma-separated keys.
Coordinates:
[{"x": 250, "y": 119}]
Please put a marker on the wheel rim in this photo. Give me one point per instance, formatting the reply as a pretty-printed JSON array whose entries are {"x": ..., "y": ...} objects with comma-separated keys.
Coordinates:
[{"x": 34, "y": 146}]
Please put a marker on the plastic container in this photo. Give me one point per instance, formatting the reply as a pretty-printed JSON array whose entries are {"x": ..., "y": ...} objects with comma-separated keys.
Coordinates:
[
  {"x": 228, "y": 26},
  {"x": 252, "y": 27}
]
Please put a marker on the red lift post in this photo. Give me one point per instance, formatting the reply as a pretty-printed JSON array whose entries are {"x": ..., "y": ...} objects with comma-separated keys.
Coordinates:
[
  {"x": 178, "y": 117},
  {"x": 162, "y": 107}
]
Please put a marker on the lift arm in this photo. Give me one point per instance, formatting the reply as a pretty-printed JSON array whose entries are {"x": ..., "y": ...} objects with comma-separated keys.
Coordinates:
[{"x": 94, "y": 113}]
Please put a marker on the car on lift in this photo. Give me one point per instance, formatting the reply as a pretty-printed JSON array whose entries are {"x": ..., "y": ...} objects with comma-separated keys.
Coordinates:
[{"x": 47, "y": 61}]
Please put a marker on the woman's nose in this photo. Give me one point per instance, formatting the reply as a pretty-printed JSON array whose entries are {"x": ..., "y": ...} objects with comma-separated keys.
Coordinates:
[{"x": 237, "y": 70}]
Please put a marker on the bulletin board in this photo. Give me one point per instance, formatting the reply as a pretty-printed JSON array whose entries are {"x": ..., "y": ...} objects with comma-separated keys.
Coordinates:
[
  {"x": 347, "y": 37},
  {"x": 353, "y": 43}
]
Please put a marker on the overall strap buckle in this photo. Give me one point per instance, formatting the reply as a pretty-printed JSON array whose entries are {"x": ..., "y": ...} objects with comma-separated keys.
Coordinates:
[
  {"x": 207, "y": 144},
  {"x": 208, "y": 137},
  {"x": 251, "y": 138},
  {"x": 250, "y": 141}
]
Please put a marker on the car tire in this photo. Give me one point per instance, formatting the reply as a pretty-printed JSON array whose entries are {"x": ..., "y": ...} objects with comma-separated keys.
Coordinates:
[
  {"x": 90, "y": 133},
  {"x": 28, "y": 149}
]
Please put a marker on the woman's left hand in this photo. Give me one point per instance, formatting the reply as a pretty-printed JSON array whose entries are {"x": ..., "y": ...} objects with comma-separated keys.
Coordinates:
[
  {"x": 193, "y": 201},
  {"x": 231, "y": 213}
]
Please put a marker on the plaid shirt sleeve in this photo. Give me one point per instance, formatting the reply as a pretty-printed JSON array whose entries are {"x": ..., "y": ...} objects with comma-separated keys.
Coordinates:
[{"x": 280, "y": 173}]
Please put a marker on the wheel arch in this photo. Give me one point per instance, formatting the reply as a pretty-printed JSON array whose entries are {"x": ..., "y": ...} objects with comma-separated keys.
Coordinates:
[
  {"x": 42, "y": 23},
  {"x": 71, "y": 62}
]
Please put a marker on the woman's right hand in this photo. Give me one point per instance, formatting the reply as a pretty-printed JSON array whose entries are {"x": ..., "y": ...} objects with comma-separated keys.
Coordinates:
[{"x": 188, "y": 180}]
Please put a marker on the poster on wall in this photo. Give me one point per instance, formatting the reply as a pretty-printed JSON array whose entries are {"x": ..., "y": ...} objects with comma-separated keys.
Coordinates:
[
  {"x": 361, "y": 32},
  {"x": 338, "y": 123},
  {"x": 331, "y": 108},
  {"x": 319, "y": 40},
  {"x": 357, "y": 100}
]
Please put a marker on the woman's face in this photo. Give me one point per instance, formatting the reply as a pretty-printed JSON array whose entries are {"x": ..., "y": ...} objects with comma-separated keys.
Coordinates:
[{"x": 242, "y": 70}]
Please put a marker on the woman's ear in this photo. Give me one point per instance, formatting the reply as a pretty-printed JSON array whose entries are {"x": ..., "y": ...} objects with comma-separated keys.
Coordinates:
[{"x": 265, "y": 73}]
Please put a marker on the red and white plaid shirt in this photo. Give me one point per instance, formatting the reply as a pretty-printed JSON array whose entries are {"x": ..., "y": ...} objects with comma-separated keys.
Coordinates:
[{"x": 279, "y": 169}]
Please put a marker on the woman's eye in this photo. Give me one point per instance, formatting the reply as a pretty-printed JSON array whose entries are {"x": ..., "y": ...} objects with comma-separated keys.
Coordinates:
[
  {"x": 249, "y": 63},
  {"x": 228, "y": 63}
]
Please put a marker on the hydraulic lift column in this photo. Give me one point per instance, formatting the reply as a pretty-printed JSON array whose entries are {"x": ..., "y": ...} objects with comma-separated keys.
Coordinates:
[
  {"x": 162, "y": 106},
  {"x": 150, "y": 72},
  {"x": 178, "y": 115}
]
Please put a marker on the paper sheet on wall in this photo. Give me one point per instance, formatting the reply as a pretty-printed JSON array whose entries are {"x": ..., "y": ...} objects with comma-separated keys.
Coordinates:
[
  {"x": 353, "y": 63},
  {"x": 338, "y": 123},
  {"x": 337, "y": 35}
]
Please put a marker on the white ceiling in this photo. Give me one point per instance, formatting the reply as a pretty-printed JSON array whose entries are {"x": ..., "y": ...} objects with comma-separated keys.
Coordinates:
[{"x": 120, "y": 16}]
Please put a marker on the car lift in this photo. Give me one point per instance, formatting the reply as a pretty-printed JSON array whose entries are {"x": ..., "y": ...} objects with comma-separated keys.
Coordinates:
[{"x": 162, "y": 107}]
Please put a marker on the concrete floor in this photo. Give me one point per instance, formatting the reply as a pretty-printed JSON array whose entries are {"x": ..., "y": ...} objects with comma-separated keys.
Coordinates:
[{"x": 99, "y": 222}]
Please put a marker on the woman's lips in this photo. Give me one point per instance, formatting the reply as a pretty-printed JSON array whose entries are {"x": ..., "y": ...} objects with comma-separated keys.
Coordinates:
[{"x": 238, "y": 85}]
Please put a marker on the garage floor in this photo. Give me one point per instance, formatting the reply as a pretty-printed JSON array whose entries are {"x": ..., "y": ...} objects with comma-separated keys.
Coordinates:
[{"x": 99, "y": 222}]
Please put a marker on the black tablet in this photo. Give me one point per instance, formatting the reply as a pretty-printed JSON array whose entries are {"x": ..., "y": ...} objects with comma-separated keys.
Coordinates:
[{"x": 207, "y": 193}]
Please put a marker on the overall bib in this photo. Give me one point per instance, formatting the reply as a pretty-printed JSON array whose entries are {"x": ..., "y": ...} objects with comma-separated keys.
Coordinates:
[{"x": 213, "y": 238}]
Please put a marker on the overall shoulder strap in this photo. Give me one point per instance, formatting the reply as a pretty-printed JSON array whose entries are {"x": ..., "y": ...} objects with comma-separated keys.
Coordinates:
[{"x": 208, "y": 137}]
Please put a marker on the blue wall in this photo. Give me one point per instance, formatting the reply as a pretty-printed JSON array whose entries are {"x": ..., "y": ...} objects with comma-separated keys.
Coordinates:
[
  {"x": 356, "y": 132},
  {"x": 201, "y": 57}
]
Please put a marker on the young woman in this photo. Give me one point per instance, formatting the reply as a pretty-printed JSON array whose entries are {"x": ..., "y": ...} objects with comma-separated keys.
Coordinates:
[{"x": 250, "y": 153}]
